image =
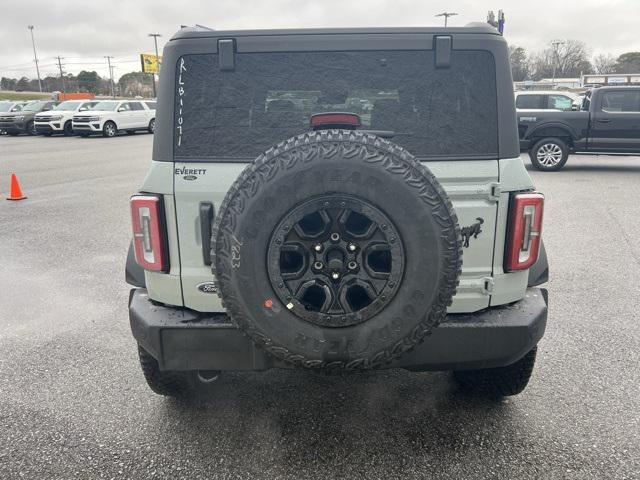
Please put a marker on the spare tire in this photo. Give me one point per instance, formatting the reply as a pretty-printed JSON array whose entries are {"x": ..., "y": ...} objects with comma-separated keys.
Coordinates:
[{"x": 336, "y": 250}]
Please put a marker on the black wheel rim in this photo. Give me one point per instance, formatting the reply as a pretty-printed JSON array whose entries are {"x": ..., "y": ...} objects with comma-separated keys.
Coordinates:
[{"x": 335, "y": 261}]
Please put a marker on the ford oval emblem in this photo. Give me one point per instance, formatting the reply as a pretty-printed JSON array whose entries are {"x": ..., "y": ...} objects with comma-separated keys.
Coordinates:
[
  {"x": 208, "y": 287},
  {"x": 190, "y": 177}
]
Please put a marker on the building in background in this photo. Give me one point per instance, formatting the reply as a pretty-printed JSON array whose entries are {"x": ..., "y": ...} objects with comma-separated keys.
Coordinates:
[{"x": 611, "y": 79}]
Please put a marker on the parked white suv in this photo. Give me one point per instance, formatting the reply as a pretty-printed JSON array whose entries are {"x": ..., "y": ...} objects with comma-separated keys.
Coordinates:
[
  {"x": 527, "y": 101},
  {"x": 59, "y": 120},
  {"x": 110, "y": 116}
]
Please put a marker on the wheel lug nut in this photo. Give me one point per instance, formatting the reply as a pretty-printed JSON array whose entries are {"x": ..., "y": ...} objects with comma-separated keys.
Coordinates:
[
  {"x": 317, "y": 265},
  {"x": 317, "y": 247},
  {"x": 352, "y": 247},
  {"x": 335, "y": 275},
  {"x": 352, "y": 265}
]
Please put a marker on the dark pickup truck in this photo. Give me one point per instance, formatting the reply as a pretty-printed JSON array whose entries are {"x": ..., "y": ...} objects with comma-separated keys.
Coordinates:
[{"x": 609, "y": 122}]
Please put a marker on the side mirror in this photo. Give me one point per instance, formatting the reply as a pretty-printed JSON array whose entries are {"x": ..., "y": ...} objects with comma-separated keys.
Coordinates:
[
  {"x": 121, "y": 109},
  {"x": 82, "y": 109}
]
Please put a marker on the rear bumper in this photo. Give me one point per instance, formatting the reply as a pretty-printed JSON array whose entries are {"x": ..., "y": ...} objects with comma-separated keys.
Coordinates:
[{"x": 182, "y": 339}]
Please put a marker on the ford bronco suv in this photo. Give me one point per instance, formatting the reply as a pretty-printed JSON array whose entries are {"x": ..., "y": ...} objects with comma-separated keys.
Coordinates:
[{"x": 337, "y": 200}]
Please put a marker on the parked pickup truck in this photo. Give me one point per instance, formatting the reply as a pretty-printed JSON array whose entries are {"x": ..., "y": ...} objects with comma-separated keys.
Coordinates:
[{"x": 609, "y": 122}]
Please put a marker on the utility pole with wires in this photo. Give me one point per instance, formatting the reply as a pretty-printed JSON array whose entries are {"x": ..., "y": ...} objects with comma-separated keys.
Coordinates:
[
  {"x": 35, "y": 57},
  {"x": 61, "y": 74},
  {"x": 113, "y": 93},
  {"x": 446, "y": 16},
  {"x": 155, "y": 42},
  {"x": 116, "y": 90},
  {"x": 556, "y": 58}
]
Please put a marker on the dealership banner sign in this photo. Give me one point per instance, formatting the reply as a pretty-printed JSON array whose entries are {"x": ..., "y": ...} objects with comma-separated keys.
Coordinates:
[{"x": 150, "y": 63}]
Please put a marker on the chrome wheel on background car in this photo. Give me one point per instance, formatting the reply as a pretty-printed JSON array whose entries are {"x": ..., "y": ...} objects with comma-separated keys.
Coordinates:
[
  {"x": 549, "y": 154},
  {"x": 152, "y": 125},
  {"x": 110, "y": 129}
]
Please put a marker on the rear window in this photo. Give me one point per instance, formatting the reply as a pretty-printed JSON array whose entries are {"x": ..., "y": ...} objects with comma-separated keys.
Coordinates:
[
  {"x": 559, "y": 102},
  {"x": 270, "y": 97},
  {"x": 620, "y": 101},
  {"x": 530, "y": 101}
]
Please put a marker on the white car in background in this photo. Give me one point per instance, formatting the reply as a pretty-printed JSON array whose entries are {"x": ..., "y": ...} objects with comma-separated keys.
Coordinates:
[
  {"x": 108, "y": 117},
  {"x": 532, "y": 100},
  {"x": 59, "y": 120}
]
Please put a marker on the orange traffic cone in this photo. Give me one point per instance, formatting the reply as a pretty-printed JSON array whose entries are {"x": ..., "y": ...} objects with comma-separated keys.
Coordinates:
[{"x": 16, "y": 191}]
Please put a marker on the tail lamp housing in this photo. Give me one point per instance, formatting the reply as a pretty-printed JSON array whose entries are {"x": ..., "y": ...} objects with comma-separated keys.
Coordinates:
[
  {"x": 523, "y": 243},
  {"x": 349, "y": 121},
  {"x": 147, "y": 221}
]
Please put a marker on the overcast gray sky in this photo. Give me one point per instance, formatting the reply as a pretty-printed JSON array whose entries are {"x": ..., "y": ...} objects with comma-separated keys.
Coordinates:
[{"x": 84, "y": 31}]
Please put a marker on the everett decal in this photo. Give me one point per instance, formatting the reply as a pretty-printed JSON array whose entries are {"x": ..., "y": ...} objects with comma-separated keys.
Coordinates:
[{"x": 189, "y": 173}]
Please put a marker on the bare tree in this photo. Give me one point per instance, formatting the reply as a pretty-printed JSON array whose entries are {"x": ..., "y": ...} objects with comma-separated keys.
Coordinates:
[
  {"x": 570, "y": 58},
  {"x": 604, "y": 63}
]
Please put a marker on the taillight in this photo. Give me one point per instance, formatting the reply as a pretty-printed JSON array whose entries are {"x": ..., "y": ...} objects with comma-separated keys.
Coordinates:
[
  {"x": 148, "y": 232},
  {"x": 523, "y": 242}
]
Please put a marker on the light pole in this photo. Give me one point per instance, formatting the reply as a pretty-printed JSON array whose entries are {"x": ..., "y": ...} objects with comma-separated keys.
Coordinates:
[
  {"x": 155, "y": 42},
  {"x": 446, "y": 16},
  {"x": 61, "y": 74},
  {"x": 35, "y": 57},
  {"x": 556, "y": 59},
  {"x": 113, "y": 94}
]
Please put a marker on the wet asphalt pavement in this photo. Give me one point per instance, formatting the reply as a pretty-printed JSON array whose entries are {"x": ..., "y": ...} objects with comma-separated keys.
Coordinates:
[{"x": 74, "y": 404}]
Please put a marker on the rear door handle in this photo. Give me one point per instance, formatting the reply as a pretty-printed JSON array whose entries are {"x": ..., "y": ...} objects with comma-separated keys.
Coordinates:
[{"x": 603, "y": 120}]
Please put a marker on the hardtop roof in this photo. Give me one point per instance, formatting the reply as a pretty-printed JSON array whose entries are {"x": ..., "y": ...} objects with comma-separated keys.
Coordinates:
[{"x": 203, "y": 32}]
